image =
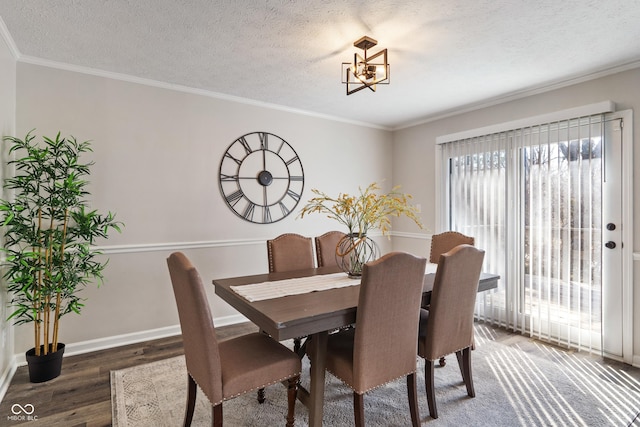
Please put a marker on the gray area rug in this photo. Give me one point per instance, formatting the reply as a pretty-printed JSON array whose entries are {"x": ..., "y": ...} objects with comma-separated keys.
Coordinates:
[{"x": 524, "y": 384}]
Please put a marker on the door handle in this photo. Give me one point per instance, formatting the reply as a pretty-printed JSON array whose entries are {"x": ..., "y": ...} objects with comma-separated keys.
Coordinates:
[{"x": 610, "y": 244}]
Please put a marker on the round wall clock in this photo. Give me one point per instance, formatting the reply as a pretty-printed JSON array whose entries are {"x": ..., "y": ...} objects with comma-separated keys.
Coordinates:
[{"x": 261, "y": 177}]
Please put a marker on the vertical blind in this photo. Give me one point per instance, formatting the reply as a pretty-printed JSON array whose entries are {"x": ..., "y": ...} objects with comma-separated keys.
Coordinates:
[{"x": 531, "y": 197}]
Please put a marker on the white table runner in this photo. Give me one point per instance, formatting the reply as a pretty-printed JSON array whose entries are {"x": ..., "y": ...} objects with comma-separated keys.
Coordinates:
[{"x": 301, "y": 285}]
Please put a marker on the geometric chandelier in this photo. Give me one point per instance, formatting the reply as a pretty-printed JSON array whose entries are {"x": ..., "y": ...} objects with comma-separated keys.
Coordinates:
[{"x": 365, "y": 71}]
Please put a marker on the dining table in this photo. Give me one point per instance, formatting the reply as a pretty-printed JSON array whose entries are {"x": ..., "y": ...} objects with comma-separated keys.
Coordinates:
[{"x": 285, "y": 305}]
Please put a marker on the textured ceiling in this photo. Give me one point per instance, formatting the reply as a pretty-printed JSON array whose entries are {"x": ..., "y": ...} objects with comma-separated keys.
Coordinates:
[{"x": 444, "y": 54}]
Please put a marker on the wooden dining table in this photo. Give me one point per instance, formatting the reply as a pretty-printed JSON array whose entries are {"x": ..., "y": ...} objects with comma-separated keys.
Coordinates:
[{"x": 312, "y": 315}]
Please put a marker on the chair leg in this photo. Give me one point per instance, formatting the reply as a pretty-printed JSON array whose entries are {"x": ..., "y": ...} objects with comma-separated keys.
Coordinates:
[
  {"x": 296, "y": 345},
  {"x": 461, "y": 365},
  {"x": 216, "y": 415},
  {"x": 466, "y": 371},
  {"x": 261, "y": 397},
  {"x": 412, "y": 393},
  {"x": 428, "y": 381},
  {"x": 358, "y": 409},
  {"x": 292, "y": 391},
  {"x": 192, "y": 389}
]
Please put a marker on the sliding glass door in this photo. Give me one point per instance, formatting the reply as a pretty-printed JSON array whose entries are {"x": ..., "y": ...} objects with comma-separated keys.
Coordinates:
[
  {"x": 561, "y": 227},
  {"x": 535, "y": 199}
]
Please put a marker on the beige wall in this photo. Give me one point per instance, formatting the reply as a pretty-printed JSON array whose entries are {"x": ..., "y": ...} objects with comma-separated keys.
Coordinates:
[
  {"x": 7, "y": 127},
  {"x": 414, "y": 148},
  {"x": 157, "y": 153}
]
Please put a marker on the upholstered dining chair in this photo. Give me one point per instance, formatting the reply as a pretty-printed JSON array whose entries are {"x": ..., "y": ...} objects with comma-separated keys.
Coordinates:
[
  {"x": 445, "y": 241},
  {"x": 289, "y": 252},
  {"x": 229, "y": 368},
  {"x": 381, "y": 348},
  {"x": 442, "y": 243},
  {"x": 447, "y": 327},
  {"x": 326, "y": 245}
]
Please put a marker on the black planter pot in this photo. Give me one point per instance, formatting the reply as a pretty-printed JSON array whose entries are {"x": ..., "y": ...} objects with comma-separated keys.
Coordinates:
[{"x": 44, "y": 368}]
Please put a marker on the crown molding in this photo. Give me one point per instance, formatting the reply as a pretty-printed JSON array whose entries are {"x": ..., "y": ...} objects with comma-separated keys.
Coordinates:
[
  {"x": 186, "y": 89},
  {"x": 539, "y": 89},
  {"x": 513, "y": 96},
  {"x": 6, "y": 36}
]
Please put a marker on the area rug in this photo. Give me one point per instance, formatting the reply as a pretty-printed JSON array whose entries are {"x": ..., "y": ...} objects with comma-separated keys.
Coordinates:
[{"x": 524, "y": 384}]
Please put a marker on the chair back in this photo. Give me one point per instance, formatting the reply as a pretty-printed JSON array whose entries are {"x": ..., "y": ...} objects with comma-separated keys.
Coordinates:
[
  {"x": 326, "y": 245},
  {"x": 289, "y": 252},
  {"x": 450, "y": 322},
  {"x": 198, "y": 333},
  {"x": 385, "y": 344},
  {"x": 444, "y": 242}
]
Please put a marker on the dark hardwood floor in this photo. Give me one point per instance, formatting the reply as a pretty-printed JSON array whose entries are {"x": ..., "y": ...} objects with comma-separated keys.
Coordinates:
[{"x": 81, "y": 396}]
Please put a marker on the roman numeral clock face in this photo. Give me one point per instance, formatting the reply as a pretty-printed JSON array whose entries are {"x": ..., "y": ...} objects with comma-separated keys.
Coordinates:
[{"x": 261, "y": 177}]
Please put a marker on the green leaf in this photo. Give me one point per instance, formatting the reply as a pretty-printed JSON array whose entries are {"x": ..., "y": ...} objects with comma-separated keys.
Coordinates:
[{"x": 50, "y": 181}]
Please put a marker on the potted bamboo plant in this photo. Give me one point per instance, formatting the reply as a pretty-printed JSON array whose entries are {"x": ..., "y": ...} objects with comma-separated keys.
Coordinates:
[{"x": 49, "y": 232}]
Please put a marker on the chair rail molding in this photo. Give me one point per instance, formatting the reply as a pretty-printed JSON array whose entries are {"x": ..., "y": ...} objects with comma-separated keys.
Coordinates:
[
  {"x": 173, "y": 246},
  {"x": 204, "y": 244},
  {"x": 409, "y": 235}
]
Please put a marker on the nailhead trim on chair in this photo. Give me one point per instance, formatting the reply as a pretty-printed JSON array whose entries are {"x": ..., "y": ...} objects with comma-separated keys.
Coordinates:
[
  {"x": 205, "y": 393},
  {"x": 270, "y": 258},
  {"x": 270, "y": 252},
  {"x": 246, "y": 391}
]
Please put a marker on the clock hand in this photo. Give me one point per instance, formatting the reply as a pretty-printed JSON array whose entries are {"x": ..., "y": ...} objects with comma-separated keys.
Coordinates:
[{"x": 264, "y": 159}]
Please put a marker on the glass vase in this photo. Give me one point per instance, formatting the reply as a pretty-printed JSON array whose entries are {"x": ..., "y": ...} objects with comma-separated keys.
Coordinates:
[{"x": 354, "y": 250}]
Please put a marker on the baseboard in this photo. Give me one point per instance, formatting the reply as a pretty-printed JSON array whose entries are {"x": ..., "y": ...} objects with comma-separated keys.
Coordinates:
[
  {"x": 82, "y": 347},
  {"x": 635, "y": 362},
  {"x": 6, "y": 378}
]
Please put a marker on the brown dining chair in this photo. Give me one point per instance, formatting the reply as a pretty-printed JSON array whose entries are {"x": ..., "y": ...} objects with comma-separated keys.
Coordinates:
[
  {"x": 326, "y": 245},
  {"x": 447, "y": 327},
  {"x": 445, "y": 241},
  {"x": 226, "y": 369},
  {"x": 382, "y": 346},
  {"x": 289, "y": 252}
]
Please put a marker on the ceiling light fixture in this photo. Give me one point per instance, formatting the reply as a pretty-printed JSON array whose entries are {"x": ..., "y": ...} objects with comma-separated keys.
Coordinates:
[{"x": 365, "y": 71}]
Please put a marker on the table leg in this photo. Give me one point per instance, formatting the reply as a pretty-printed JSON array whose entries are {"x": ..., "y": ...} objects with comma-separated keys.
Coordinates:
[{"x": 316, "y": 388}]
